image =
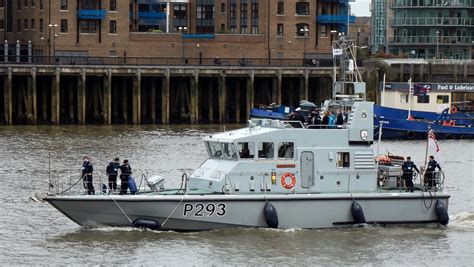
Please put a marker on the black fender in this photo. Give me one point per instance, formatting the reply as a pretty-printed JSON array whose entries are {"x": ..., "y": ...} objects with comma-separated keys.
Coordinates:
[
  {"x": 357, "y": 212},
  {"x": 442, "y": 213},
  {"x": 271, "y": 215},
  {"x": 147, "y": 223}
]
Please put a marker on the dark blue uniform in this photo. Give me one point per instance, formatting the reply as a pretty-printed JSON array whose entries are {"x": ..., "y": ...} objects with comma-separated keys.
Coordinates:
[
  {"x": 87, "y": 170},
  {"x": 430, "y": 169},
  {"x": 125, "y": 171},
  {"x": 112, "y": 172},
  {"x": 408, "y": 167}
]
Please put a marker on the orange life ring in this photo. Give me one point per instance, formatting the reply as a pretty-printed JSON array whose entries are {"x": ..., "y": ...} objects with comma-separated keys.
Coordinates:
[
  {"x": 284, "y": 183},
  {"x": 454, "y": 109}
]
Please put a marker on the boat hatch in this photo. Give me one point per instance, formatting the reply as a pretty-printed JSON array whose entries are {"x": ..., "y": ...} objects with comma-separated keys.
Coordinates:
[{"x": 221, "y": 150}]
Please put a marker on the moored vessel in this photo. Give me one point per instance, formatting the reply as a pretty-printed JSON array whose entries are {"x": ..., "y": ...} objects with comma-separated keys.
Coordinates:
[{"x": 272, "y": 174}]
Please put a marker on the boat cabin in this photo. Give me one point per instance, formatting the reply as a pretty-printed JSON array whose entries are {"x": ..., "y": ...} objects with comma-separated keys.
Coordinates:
[{"x": 273, "y": 156}]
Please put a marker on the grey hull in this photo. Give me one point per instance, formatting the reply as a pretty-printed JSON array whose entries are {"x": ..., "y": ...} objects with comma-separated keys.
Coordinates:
[{"x": 205, "y": 212}]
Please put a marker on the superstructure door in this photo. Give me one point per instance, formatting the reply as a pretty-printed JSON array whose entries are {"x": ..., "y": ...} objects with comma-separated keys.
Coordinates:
[{"x": 307, "y": 169}]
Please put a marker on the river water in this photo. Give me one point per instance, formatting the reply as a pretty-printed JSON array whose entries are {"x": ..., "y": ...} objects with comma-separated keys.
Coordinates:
[{"x": 35, "y": 233}]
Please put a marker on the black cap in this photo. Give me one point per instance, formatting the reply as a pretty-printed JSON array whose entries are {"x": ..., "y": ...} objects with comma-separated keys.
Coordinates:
[
  {"x": 125, "y": 161},
  {"x": 408, "y": 157},
  {"x": 116, "y": 159}
]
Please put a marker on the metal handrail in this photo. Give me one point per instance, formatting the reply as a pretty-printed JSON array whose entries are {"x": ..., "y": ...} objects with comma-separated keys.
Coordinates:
[
  {"x": 432, "y": 21},
  {"x": 432, "y": 40},
  {"x": 165, "y": 61}
]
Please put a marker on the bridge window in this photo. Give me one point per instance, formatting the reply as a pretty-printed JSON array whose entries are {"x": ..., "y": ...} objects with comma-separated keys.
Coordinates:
[
  {"x": 246, "y": 150},
  {"x": 442, "y": 99},
  {"x": 214, "y": 149},
  {"x": 343, "y": 160},
  {"x": 286, "y": 150},
  {"x": 404, "y": 98},
  {"x": 265, "y": 150},
  {"x": 229, "y": 151},
  {"x": 425, "y": 99}
]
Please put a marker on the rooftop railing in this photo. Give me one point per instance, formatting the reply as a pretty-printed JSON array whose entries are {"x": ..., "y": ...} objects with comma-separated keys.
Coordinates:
[
  {"x": 432, "y": 40},
  {"x": 434, "y": 4},
  {"x": 431, "y": 21}
]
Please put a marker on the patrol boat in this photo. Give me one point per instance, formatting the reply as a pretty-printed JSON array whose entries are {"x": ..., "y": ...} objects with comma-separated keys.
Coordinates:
[{"x": 276, "y": 174}]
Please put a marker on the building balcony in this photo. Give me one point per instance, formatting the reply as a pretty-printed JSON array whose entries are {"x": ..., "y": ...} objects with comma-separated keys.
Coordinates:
[
  {"x": 429, "y": 21},
  {"x": 335, "y": 19},
  {"x": 337, "y": 1},
  {"x": 442, "y": 5},
  {"x": 431, "y": 40},
  {"x": 91, "y": 14},
  {"x": 150, "y": 15}
]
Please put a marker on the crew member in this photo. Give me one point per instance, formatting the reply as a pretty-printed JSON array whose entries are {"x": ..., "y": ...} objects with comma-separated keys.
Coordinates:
[
  {"x": 407, "y": 168},
  {"x": 87, "y": 170},
  {"x": 125, "y": 171},
  {"x": 297, "y": 116},
  {"x": 112, "y": 172},
  {"x": 325, "y": 120},
  {"x": 429, "y": 174},
  {"x": 339, "y": 118}
]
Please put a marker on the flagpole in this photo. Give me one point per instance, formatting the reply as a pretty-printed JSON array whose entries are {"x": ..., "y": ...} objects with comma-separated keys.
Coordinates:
[
  {"x": 380, "y": 122},
  {"x": 409, "y": 98},
  {"x": 427, "y": 143}
]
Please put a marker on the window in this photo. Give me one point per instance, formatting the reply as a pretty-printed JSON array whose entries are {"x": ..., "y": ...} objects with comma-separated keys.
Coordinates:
[
  {"x": 112, "y": 53},
  {"x": 343, "y": 160},
  {"x": 246, "y": 150},
  {"x": 286, "y": 150},
  {"x": 205, "y": 12},
  {"x": 265, "y": 150},
  {"x": 2, "y": 4},
  {"x": 33, "y": 3},
  {"x": 26, "y": 3},
  {"x": 64, "y": 25},
  {"x": 254, "y": 29},
  {"x": 113, "y": 26},
  {"x": 280, "y": 29},
  {"x": 88, "y": 26},
  {"x": 25, "y": 24},
  {"x": 423, "y": 99},
  {"x": 442, "y": 99},
  {"x": 113, "y": 5},
  {"x": 41, "y": 4},
  {"x": 19, "y": 25},
  {"x": 404, "y": 98},
  {"x": 223, "y": 7},
  {"x": 243, "y": 30},
  {"x": 214, "y": 149},
  {"x": 33, "y": 24},
  {"x": 63, "y": 5},
  {"x": 18, "y": 5},
  {"x": 302, "y": 29},
  {"x": 324, "y": 31},
  {"x": 302, "y": 8},
  {"x": 2, "y": 26},
  {"x": 243, "y": 11},
  {"x": 41, "y": 25},
  {"x": 281, "y": 8},
  {"x": 229, "y": 151}
]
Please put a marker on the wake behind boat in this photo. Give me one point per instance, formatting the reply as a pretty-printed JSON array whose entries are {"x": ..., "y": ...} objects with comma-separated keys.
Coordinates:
[{"x": 271, "y": 174}]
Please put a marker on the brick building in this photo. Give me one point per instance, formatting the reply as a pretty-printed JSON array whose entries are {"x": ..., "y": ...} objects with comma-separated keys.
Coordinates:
[{"x": 175, "y": 28}]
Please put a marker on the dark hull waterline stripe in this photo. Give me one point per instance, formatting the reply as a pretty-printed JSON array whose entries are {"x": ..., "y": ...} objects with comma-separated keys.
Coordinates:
[{"x": 60, "y": 199}]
